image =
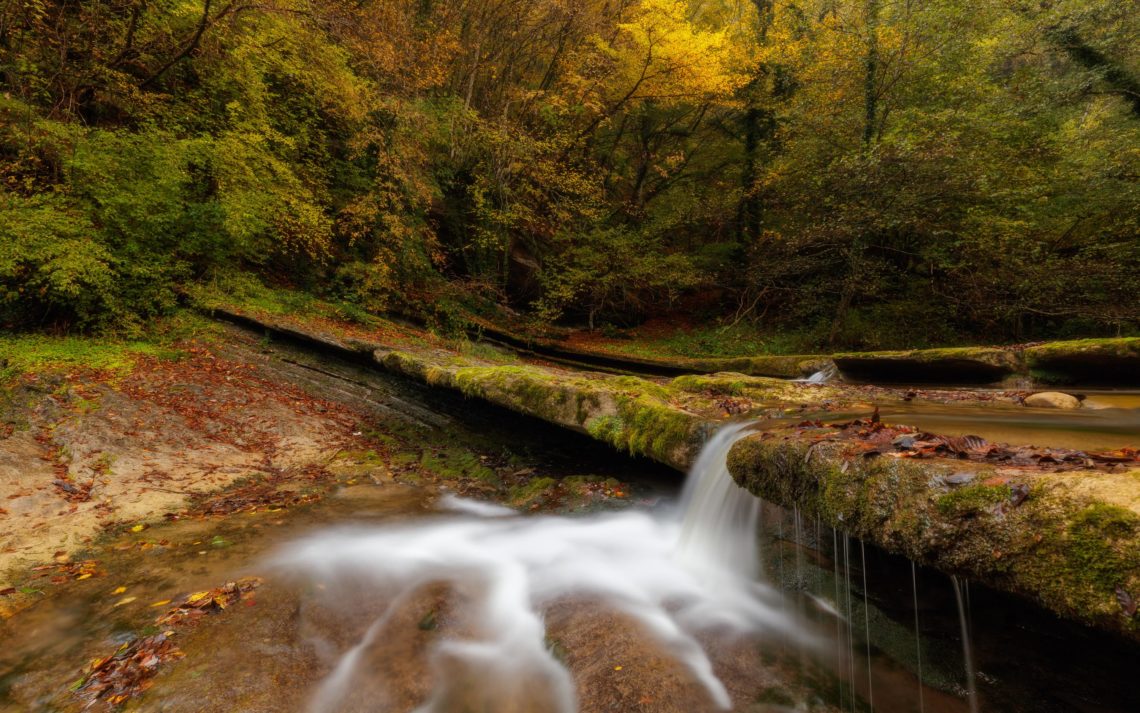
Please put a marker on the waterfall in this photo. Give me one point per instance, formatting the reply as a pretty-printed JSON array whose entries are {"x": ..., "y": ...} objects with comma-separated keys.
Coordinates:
[
  {"x": 719, "y": 519},
  {"x": 823, "y": 376},
  {"x": 675, "y": 574}
]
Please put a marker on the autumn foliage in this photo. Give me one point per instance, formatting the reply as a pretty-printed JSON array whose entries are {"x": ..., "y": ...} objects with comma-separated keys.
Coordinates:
[{"x": 860, "y": 172}]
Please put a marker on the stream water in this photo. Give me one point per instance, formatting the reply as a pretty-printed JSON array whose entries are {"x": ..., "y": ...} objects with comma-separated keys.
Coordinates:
[
  {"x": 395, "y": 597},
  {"x": 674, "y": 574}
]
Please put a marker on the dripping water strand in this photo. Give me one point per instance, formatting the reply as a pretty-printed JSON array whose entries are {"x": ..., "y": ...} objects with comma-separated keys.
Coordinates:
[
  {"x": 917, "y": 636},
  {"x": 839, "y": 662},
  {"x": 867, "y": 628},
  {"x": 850, "y": 617},
  {"x": 967, "y": 653}
]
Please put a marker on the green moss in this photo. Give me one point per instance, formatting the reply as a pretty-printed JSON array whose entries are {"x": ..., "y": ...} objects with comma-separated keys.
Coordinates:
[
  {"x": 972, "y": 500},
  {"x": 1102, "y": 547},
  {"x": 606, "y": 428},
  {"x": 985, "y": 355},
  {"x": 484, "y": 351},
  {"x": 733, "y": 384},
  {"x": 578, "y": 482},
  {"x": 246, "y": 293},
  {"x": 402, "y": 363},
  {"x": 1063, "y": 551},
  {"x": 1119, "y": 347},
  {"x": 526, "y": 494},
  {"x": 639, "y": 386},
  {"x": 1084, "y": 361},
  {"x": 404, "y": 459},
  {"x": 726, "y": 384},
  {"x": 37, "y": 353},
  {"x": 654, "y": 429},
  {"x": 457, "y": 464}
]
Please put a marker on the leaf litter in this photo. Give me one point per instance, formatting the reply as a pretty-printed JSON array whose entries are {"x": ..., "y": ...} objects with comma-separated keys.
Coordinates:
[
  {"x": 130, "y": 670},
  {"x": 871, "y": 438}
]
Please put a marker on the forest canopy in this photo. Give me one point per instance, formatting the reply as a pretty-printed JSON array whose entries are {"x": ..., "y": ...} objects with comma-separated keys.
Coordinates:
[{"x": 859, "y": 172}]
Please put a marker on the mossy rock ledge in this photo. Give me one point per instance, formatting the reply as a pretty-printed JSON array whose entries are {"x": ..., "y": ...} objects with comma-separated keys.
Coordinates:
[
  {"x": 1069, "y": 541},
  {"x": 630, "y": 413},
  {"x": 965, "y": 365},
  {"x": 1085, "y": 361}
]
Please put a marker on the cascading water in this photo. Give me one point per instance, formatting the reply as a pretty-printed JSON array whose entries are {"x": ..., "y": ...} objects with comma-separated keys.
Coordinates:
[
  {"x": 675, "y": 574},
  {"x": 719, "y": 519},
  {"x": 823, "y": 376}
]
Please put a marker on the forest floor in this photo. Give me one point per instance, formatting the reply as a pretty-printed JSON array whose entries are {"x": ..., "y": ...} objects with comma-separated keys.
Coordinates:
[
  {"x": 100, "y": 438},
  {"x": 89, "y": 450}
]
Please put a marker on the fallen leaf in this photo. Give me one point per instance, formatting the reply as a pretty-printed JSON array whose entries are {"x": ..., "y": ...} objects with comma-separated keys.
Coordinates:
[{"x": 119, "y": 590}]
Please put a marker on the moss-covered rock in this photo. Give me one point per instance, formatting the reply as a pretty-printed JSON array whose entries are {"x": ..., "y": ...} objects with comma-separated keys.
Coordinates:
[
  {"x": 1069, "y": 541},
  {"x": 979, "y": 365},
  {"x": 632, "y": 414},
  {"x": 781, "y": 367},
  {"x": 1115, "y": 361}
]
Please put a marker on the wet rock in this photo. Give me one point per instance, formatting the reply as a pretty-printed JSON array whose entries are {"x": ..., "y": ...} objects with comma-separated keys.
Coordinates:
[
  {"x": 904, "y": 442},
  {"x": 959, "y": 479},
  {"x": 1018, "y": 494},
  {"x": 1052, "y": 399}
]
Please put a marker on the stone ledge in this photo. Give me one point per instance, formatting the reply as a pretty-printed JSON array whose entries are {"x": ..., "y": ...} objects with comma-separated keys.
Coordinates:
[{"x": 1069, "y": 541}]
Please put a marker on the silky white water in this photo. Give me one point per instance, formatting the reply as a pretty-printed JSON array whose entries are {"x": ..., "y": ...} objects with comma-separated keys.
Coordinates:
[
  {"x": 823, "y": 376},
  {"x": 675, "y": 573}
]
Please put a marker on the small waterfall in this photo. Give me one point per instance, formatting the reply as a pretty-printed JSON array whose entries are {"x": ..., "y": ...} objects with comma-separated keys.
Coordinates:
[
  {"x": 676, "y": 574},
  {"x": 823, "y": 376},
  {"x": 719, "y": 519}
]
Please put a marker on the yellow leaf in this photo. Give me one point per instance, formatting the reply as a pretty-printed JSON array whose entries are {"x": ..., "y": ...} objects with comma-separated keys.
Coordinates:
[
  {"x": 138, "y": 528},
  {"x": 617, "y": 668},
  {"x": 119, "y": 590},
  {"x": 161, "y": 603},
  {"x": 124, "y": 600},
  {"x": 84, "y": 576},
  {"x": 197, "y": 597}
]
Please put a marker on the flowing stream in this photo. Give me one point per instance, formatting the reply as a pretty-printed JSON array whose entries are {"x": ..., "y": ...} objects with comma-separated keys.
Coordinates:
[{"x": 675, "y": 573}]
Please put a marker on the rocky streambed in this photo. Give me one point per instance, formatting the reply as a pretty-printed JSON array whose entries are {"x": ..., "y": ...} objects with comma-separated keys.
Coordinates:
[
  {"x": 1059, "y": 525},
  {"x": 146, "y": 502}
]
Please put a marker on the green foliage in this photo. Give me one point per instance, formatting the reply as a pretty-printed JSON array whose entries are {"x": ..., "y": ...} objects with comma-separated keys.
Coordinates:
[
  {"x": 924, "y": 173},
  {"x": 50, "y": 267},
  {"x": 615, "y": 273}
]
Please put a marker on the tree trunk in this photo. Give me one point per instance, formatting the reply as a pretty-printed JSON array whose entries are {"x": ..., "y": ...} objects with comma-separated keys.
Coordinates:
[{"x": 870, "y": 78}]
